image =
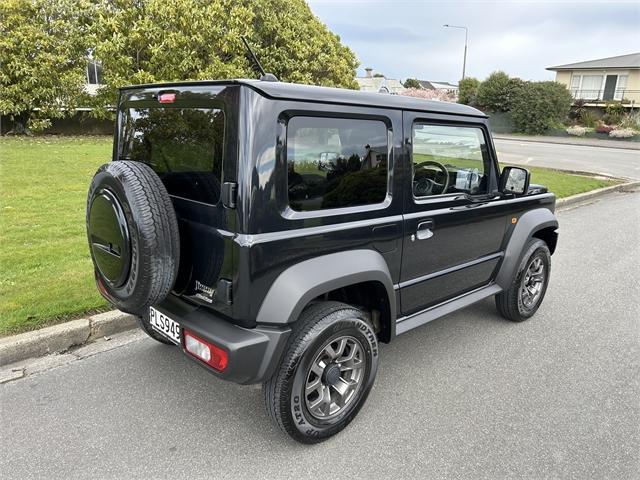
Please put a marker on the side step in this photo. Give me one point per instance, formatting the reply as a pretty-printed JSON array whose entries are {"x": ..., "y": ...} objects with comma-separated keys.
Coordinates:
[{"x": 404, "y": 324}]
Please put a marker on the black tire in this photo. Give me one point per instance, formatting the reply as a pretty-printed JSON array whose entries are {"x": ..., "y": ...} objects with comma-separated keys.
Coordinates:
[
  {"x": 321, "y": 324},
  {"x": 145, "y": 325},
  {"x": 512, "y": 304},
  {"x": 133, "y": 236}
]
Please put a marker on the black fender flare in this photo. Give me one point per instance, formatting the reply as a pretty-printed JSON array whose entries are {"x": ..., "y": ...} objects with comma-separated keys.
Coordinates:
[
  {"x": 528, "y": 224},
  {"x": 299, "y": 284}
]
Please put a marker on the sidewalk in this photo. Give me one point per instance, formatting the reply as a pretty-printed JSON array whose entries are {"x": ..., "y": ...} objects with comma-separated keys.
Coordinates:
[{"x": 585, "y": 142}]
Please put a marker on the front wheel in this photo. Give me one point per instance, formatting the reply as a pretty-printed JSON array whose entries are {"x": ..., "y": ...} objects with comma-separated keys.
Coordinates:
[
  {"x": 326, "y": 373},
  {"x": 525, "y": 294}
]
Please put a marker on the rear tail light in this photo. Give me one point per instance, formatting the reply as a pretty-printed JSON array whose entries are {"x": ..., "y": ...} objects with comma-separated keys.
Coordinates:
[{"x": 204, "y": 351}]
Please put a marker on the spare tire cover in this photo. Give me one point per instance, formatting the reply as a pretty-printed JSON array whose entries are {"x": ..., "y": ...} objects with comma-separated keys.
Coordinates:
[{"x": 133, "y": 235}]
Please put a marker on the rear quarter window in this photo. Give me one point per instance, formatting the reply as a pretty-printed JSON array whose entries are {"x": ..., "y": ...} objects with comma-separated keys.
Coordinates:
[
  {"x": 184, "y": 146},
  {"x": 336, "y": 162}
]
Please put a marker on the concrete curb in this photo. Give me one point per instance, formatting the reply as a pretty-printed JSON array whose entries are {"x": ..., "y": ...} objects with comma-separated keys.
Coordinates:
[
  {"x": 573, "y": 199},
  {"x": 617, "y": 144},
  {"x": 59, "y": 338}
]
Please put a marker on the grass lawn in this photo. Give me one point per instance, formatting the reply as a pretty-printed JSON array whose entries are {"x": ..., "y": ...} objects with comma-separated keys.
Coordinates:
[{"x": 45, "y": 269}]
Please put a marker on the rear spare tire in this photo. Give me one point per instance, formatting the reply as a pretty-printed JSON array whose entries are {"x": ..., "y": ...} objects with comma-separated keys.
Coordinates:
[{"x": 133, "y": 236}]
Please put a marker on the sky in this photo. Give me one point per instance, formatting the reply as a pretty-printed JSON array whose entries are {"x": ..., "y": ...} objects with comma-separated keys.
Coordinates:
[{"x": 405, "y": 38}]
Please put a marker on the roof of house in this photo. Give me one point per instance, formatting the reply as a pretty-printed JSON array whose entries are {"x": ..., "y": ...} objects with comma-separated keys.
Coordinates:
[
  {"x": 631, "y": 60},
  {"x": 375, "y": 84},
  {"x": 309, "y": 93},
  {"x": 431, "y": 85}
]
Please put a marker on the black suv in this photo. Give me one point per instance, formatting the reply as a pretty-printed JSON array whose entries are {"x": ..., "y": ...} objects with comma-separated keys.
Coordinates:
[{"x": 278, "y": 232}]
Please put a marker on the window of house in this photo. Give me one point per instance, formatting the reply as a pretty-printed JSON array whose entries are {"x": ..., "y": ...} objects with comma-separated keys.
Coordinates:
[
  {"x": 591, "y": 86},
  {"x": 449, "y": 159},
  {"x": 336, "y": 162},
  {"x": 94, "y": 73},
  {"x": 621, "y": 86},
  {"x": 575, "y": 85}
]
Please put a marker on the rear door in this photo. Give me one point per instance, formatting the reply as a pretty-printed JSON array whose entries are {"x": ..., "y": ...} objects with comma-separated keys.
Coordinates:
[
  {"x": 453, "y": 224},
  {"x": 186, "y": 134}
]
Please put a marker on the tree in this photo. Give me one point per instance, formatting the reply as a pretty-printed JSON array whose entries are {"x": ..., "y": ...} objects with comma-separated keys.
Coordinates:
[
  {"x": 412, "y": 83},
  {"x": 44, "y": 46},
  {"x": 42, "y": 59},
  {"x": 539, "y": 106},
  {"x": 149, "y": 42},
  {"x": 468, "y": 90}
]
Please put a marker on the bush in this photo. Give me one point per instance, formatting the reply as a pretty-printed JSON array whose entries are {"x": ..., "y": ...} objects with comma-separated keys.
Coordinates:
[
  {"x": 468, "y": 91},
  {"x": 411, "y": 83},
  {"x": 622, "y": 133},
  {"x": 602, "y": 128},
  {"x": 539, "y": 106},
  {"x": 493, "y": 93},
  {"x": 631, "y": 120},
  {"x": 614, "y": 112},
  {"x": 576, "y": 131},
  {"x": 588, "y": 119}
]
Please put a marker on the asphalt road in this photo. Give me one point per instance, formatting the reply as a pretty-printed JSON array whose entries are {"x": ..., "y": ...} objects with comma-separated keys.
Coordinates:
[
  {"x": 467, "y": 396},
  {"x": 609, "y": 161}
]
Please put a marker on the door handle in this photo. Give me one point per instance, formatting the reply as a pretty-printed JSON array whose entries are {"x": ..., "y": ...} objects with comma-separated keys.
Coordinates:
[{"x": 425, "y": 230}]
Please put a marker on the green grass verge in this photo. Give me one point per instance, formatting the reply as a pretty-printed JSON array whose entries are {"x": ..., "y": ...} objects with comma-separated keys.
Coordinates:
[
  {"x": 45, "y": 269},
  {"x": 47, "y": 274}
]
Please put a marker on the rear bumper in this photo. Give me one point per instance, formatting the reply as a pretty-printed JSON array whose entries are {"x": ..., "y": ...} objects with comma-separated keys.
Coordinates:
[{"x": 254, "y": 353}]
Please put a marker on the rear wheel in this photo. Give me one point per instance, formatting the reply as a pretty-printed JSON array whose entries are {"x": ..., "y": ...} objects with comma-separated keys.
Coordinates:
[
  {"x": 525, "y": 294},
  {"x": 327, "y": 372}
]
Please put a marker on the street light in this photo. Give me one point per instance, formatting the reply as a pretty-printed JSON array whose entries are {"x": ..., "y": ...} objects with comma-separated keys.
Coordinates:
[{"x": 466, "y": 36}]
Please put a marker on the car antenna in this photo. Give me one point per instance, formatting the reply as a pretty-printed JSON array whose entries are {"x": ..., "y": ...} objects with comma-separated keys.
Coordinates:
[{"x": 264, "y": 76}]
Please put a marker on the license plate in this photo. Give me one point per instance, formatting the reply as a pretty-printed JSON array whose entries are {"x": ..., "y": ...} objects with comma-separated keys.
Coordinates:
[{"x": 164, "y": 325}]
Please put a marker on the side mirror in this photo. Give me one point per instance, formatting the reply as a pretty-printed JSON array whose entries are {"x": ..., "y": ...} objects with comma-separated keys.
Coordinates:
[{"x": 514, "y": 180}]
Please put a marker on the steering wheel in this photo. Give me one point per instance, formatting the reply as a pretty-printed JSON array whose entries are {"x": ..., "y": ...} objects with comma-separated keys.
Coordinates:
[{"x": 425, "y": 186}]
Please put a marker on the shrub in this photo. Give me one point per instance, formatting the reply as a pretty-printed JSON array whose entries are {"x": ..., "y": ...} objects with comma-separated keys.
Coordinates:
[
  {"x": 614, "y": 112},
  {"x": 588, "y": 119},
  {"x": 603, "y": 128},
  {"x": 579, "y": 107},
  {"x": 411, "y": 83},
  {"x": 631, "y": 120},
  {"x": 622, "y": 133},
  {"x": 576, "y": 131},
  {"x": 468, "y": 91},
  {"x": 493, "y": 93},
  {"x": 539, "y": 106}
]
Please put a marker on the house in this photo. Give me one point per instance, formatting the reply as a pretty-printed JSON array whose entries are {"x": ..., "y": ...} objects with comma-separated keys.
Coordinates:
[
  {"x": 379, "y": 84},
  {"x": 603, "y": 80},
  {"x": 449, "y": 88}
]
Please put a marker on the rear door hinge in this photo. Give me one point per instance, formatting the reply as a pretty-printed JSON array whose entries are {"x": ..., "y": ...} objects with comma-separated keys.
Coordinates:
[
  {"x": 230, "y": 194},
  {"x": 224, "y": 291}
]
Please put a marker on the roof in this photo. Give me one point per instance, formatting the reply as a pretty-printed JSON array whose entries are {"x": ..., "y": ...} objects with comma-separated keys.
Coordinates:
[
  {"x": 309, "y": 93},
  {"x": 375, "y": 84},
  {"x": 631, "y": 60},
  {"x": 431, "y": 85}
]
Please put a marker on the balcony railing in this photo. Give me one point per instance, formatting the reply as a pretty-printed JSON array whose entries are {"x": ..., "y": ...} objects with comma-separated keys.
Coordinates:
[{"x": 598, "y": 96}]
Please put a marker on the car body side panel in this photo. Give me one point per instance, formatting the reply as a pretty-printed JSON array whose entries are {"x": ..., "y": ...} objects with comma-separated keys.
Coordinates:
[{"x": 273, "y": 237}]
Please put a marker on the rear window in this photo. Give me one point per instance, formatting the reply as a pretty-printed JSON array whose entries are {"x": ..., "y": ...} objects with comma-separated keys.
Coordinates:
[{"x": 184, "y": 146}]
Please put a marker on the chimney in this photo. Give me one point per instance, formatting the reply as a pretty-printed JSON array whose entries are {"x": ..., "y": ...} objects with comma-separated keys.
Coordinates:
[{"x": 369, "y": 73}]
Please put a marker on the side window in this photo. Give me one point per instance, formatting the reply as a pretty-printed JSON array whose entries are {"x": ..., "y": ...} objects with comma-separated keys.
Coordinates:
[
  {"x": 449, "y": 159},
  {"x": 336, "y": 162}
]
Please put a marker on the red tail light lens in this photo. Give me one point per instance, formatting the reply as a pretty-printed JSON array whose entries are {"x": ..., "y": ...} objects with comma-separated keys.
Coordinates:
[
  {"x": 167, "y": 98},
  {"x": 204, "y": 351}
]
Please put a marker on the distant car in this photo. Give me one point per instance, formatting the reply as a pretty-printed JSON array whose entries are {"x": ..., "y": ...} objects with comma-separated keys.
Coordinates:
[{"x": 278, "y": 232}]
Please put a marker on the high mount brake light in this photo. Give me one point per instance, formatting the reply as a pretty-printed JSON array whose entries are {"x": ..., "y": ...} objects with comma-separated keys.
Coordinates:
[{"x": 167, "y": 97}]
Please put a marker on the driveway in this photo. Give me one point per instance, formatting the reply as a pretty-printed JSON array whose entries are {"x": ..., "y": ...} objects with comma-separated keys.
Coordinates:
[
  {"x": 608, "y": 161},
  {"x": 467, "y": 396}
]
